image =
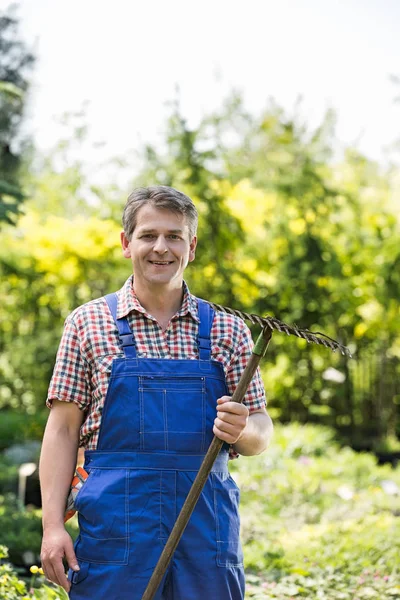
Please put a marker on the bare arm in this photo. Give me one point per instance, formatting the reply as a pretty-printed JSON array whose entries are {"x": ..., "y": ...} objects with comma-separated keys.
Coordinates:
[
  {"x": 56, "y": 469},
  {"x": 250, "y": 433},
  {"x": 256, "y": 435}
]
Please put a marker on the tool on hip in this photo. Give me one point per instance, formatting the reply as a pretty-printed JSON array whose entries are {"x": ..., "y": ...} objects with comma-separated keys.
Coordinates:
[
  {"x": 77, "y": 482},
  {"x": 269, "y": 325}
]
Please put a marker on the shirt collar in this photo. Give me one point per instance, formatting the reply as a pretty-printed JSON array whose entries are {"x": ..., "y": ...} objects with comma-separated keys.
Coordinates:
[{"x": 128, "y": 302}]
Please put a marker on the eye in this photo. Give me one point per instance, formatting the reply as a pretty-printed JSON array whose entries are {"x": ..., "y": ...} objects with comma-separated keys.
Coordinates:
[
  {"x": 147, "y": 236},
  {"x": 174, "y": 236}
]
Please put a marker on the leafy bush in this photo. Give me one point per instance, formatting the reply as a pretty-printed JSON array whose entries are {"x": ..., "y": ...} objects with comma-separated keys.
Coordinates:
[
  {"x": 11, "y": 587},
  {"x": 16, "y": 427},
  {"x": 8, "y": 476},
  {"x": 318, "y": 521},
  {"x": 14, "y": 588},
  {"x": 324, "y": 584},
  {"x": 22, "y": 531}
]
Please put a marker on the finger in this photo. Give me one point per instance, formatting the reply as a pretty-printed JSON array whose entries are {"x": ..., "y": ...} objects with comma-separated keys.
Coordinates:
[
  {"x": 224, "y": 436},
  {"x": 225, "y": 427},
  {"x": 224, "y": 399},
  {"x": 233, "y": 433},
  {"x": 233, "y": 407},
  {"x": 61, "y": 578},
  {"x": 48, "y": 571},
  {"x": 234, "y": 419},
  {"x": 71, "y": 556}
]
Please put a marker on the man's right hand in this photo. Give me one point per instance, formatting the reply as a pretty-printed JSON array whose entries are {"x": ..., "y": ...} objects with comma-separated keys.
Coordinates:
[{"x": 56, "y": 545}]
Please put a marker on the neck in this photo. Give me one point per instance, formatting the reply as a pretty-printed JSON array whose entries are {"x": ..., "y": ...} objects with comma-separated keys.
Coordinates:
[{"x": 162, "y": 302}]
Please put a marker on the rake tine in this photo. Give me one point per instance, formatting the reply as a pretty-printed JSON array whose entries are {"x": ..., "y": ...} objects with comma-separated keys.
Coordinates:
[{"x": 314, "y": 337}]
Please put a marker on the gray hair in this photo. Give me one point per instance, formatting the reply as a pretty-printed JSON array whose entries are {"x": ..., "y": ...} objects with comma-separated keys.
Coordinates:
[{"x": 159, "y": 196}]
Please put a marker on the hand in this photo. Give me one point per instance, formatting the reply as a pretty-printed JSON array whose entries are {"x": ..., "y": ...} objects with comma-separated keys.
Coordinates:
[
  {"x": 56, "y": 544},
  {"x": 231, "y": 420}
]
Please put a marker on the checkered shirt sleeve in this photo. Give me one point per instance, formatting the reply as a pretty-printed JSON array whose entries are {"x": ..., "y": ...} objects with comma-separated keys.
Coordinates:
[
  {"x": 71, "y": 376},
  {"x": 232, "y": 345}
]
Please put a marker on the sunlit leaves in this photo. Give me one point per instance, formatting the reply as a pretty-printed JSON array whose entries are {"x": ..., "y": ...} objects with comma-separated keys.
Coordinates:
[{"x": 50, "y": 265}]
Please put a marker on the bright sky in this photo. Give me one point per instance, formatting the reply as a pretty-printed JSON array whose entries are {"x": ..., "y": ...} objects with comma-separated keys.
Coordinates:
[{"x": 126, "y": 58}]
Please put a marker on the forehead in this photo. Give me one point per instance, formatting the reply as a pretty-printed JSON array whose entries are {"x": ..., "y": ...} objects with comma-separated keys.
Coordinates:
[{"x": 151, "y": 217}]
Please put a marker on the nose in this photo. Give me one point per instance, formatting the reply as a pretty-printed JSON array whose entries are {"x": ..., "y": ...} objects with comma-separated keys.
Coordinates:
[{"x": 160, "y": 245}]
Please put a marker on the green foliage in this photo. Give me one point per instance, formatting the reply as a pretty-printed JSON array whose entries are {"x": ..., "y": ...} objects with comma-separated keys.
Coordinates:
[
  {"x": 49, "y": 265},
  {"x": 8, "y": 477},
  {"x": 10, "y": 199},
  {"x": 22, "y": 531},
  {"x": 11, "y": 587},
  {"x": 15, "y": 63},
  {"x": 49, "y": 593},
  {"x": 14, "y": 588},
  {"x": 17, "y": 427},
  {"x": 325, "y": 584},
  {"x": 318, "y": 521}
]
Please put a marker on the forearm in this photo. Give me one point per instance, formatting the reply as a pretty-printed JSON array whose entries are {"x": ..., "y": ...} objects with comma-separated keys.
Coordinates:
[
  {"x": 57, "y": 465},
  {"x": 256, "y": 435}
]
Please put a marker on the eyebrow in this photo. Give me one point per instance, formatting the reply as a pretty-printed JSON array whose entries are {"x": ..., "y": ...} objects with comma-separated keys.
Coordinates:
[{"x": 155, "y": 230}]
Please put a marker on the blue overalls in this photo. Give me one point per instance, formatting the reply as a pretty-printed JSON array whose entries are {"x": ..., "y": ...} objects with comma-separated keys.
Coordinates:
[{"x": 156, "y": 427}]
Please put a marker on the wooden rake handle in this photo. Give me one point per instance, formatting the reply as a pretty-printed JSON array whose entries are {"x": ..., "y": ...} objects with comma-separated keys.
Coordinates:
[{"x": 259, "y": 351}]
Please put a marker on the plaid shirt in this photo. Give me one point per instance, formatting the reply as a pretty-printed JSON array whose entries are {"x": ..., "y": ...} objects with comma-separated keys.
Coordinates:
[{"x": 90, "y": 343}]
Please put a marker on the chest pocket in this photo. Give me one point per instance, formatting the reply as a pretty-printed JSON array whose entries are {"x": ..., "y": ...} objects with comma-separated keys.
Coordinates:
[{"x": 172, "y": 413}]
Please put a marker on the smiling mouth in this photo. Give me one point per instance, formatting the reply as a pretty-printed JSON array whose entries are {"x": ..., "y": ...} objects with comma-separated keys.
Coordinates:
[{"x": 154, "y": 262}]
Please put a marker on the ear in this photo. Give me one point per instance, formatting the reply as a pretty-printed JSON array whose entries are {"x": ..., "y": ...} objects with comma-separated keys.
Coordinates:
[
  {"x": 192, "y": 248},
  {"x": 126, "y": 251}
]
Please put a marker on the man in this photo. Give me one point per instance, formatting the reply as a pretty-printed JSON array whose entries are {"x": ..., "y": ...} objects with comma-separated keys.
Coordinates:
[{"x": 143, "y": 379}]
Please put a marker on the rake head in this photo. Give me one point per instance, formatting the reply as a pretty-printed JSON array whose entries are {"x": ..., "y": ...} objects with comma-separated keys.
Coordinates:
[{"x": 313, "y": 337}]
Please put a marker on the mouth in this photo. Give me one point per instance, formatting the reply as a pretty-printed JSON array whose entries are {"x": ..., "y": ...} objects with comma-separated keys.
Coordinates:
[{"x": 161, "y": 263}]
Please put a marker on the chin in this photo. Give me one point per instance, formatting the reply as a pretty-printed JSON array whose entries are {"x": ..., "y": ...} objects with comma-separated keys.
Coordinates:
[{"x": 161, "y": 279}]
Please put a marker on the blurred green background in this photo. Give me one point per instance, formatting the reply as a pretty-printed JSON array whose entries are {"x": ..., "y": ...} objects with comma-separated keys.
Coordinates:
[{"x": 289, "y": 228}]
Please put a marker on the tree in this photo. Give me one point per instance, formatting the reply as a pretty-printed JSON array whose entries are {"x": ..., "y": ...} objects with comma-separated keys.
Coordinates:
[
  {"x": 48, "y": 266},
  {"x": 15, "y": 64}
]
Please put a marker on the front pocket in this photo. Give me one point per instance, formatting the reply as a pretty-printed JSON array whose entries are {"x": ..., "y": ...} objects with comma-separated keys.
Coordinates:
[
  {"x": 163, "y": 402},
  {"x": 103, "y": 517},
  {"x": 76, "y": 577},
  {"x": 226, "y": 504}
]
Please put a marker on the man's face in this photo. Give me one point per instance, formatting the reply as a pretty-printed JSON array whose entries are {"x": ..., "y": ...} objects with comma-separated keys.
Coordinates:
[{"x": 160, "y": 247}]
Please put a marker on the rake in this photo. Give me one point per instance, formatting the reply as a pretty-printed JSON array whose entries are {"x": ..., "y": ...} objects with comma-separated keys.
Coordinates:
[{"x": 268, "y": 324}]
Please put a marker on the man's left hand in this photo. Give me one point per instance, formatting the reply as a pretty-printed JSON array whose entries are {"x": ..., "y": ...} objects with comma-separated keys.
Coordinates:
[{"x": 231, "y": 420}]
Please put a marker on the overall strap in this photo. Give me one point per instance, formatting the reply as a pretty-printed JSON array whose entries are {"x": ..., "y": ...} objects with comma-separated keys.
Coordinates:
[
  {"x": 125, "y": 333},
  {"x": 206, "y": 316}
]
